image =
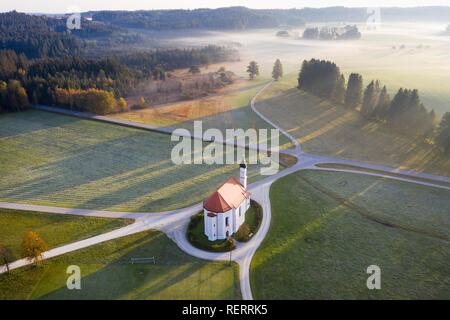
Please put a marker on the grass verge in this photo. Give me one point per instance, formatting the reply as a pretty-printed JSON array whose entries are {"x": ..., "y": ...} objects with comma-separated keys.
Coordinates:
[
  {"x": 55, "y": 229},
  {"x": 328, "y": 227},
  {"x": 107, "y": 273}
]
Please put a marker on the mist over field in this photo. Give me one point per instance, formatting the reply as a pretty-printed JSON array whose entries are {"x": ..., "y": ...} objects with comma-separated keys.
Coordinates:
[
  {"x": 223, "y": 154},
  {"x": 423, "y": 63}
]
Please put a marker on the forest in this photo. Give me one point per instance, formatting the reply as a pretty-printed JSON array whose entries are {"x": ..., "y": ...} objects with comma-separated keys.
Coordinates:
[
  {"x": 244, "y": 18},
  {"x": 36, "y": 80},
  {"x": 332, "y": 33},
  {"x": 404, "y": 113},
  {"x": 222, "y": 18}
]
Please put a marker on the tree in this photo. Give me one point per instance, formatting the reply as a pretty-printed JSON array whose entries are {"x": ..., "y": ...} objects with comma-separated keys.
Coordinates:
[
  {"x": 382, "y": 106},
  {"x": 13, "y": 96},
  {"x": 159, "y": 73},
  {"x": 33, "y": 246},
  {"x": 194, "y": 69},
  {"x": 122, "y": 104},
  {"x": 370, "y": 99},
  {"x": 353, "y": 95},
  {"x": 311, "y": 33},
  {"x": 253, "y": 69},
  {"x": 142, "y": 101},
  {"x": 443, "y": 134},
  {"x": 319, "y": 77},
  {"x": 339, "y": 91},
  {"x": 3, "y": 91},
  {"x": 6, "y": 256},
  {"x": 406, "y": 113},
  {"x": 277, "y": 71}
]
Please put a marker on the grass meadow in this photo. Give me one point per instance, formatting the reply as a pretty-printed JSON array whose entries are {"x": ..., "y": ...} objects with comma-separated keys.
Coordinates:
[
  {"x": 422, "y": 63},
  {"x": 55, "y": 160},
  {"x": 228, "y": 109},
  {"x": 54, "y": 229},
  {"x": 328, "y": 227},
  {"x": 329, "y": 129},
  {"x": 107, "y": 273}
]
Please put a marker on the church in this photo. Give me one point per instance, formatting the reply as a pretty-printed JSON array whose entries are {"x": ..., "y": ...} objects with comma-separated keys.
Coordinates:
[{"x": 224, "y": 211}]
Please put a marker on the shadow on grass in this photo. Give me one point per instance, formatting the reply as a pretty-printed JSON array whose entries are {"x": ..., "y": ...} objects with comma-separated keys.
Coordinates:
[
  {"x": 174, "y": 276},
  {"x": 333, "y": 130}
]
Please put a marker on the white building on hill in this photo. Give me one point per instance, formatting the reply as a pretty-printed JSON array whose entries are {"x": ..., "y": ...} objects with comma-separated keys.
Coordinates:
[{"x": 224, "y": 211}]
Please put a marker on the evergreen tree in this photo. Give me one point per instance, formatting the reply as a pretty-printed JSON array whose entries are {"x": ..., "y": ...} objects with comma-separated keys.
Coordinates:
[
  {"x": 253, "y": 69},
  {"x": 277, "y": 71},
  {"x": 382, "y": 106},
  {"x": 353, "y": 95},
  {"x": 407, "y": 114},
  {"x": 370, "y": 99},
  {"x": 443, "y": 135},
  {"x": 319, "y": 77},
  {"x": 339, "y": 91},
  {"x": 194, "y": 69}
]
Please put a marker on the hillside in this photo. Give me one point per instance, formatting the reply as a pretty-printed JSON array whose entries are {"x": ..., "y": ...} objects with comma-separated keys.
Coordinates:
[{"x": 240, "y": 18}]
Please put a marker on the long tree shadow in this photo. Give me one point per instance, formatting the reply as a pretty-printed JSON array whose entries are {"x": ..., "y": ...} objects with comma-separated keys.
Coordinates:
[{"x": 174, "y": 275}]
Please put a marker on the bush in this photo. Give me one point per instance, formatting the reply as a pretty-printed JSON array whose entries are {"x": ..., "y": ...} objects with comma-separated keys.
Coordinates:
[{"x": 243, "y": 234}]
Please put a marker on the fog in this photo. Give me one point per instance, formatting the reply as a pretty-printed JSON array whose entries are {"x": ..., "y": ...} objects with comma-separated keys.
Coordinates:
[{"x": 398, "y": 54}]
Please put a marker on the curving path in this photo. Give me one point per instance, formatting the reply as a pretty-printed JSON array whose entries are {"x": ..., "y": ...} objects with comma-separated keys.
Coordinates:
[{"x": 174, "y": 223}]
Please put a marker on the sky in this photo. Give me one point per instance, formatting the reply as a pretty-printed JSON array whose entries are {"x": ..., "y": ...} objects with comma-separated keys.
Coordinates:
[{"x": 63, "y": 6}]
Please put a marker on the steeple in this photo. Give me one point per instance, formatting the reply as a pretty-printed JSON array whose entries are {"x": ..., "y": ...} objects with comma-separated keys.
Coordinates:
[{"x": 243, "y": 174}]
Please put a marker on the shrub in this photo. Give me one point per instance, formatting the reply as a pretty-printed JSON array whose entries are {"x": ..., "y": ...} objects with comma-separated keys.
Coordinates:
[{"x": 243, "y": 234}]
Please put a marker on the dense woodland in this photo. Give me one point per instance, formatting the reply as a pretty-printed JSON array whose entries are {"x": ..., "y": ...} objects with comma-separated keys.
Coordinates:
[
  {"x": 222, "y": 18},
  {"x": 41, "y": 36},
  {"x": 40, "y": 78},
  {"x": 332, "y": 33},
  {"x": 36, "y": 36},
  {"x": 244, "y": 18},
  {"x": 404, "y": 112}
]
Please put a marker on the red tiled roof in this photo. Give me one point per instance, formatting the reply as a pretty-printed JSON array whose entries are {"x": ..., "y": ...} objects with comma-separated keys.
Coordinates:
[{"x": 229, "y": 195}]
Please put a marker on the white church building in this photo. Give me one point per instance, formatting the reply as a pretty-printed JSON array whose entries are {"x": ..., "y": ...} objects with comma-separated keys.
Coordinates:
[{"x": 224, "y": 211}]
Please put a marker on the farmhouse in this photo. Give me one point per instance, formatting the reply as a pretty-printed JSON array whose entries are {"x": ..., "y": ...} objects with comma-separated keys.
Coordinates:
[{"x": 224, "y": 211}]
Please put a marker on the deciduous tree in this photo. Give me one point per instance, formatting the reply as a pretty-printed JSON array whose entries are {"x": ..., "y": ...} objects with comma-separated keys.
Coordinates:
[
  {"x": 33, "y": 246},
  {"x": 6, "y": 256},
  {"x": 253, "y": 69}
]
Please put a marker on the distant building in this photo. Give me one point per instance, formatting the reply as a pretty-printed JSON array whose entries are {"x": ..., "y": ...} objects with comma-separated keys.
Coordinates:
[{"x": 224, "y": 211}]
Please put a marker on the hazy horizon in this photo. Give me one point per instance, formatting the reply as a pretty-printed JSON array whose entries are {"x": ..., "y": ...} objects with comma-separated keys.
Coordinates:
[{"x": 63, "y": 6}]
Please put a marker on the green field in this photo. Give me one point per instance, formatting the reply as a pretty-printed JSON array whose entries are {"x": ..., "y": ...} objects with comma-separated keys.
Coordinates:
[
  {"x": 55, "y": 229},
  {"x": 108, "y": 274},
  {"x": 229, "y": 109},
  {"x": 328, "y": 129},
  {"x": 56, "y": 160},
  {"x": 328, "y": 227},
  {"x": 422, "y": 64}
]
